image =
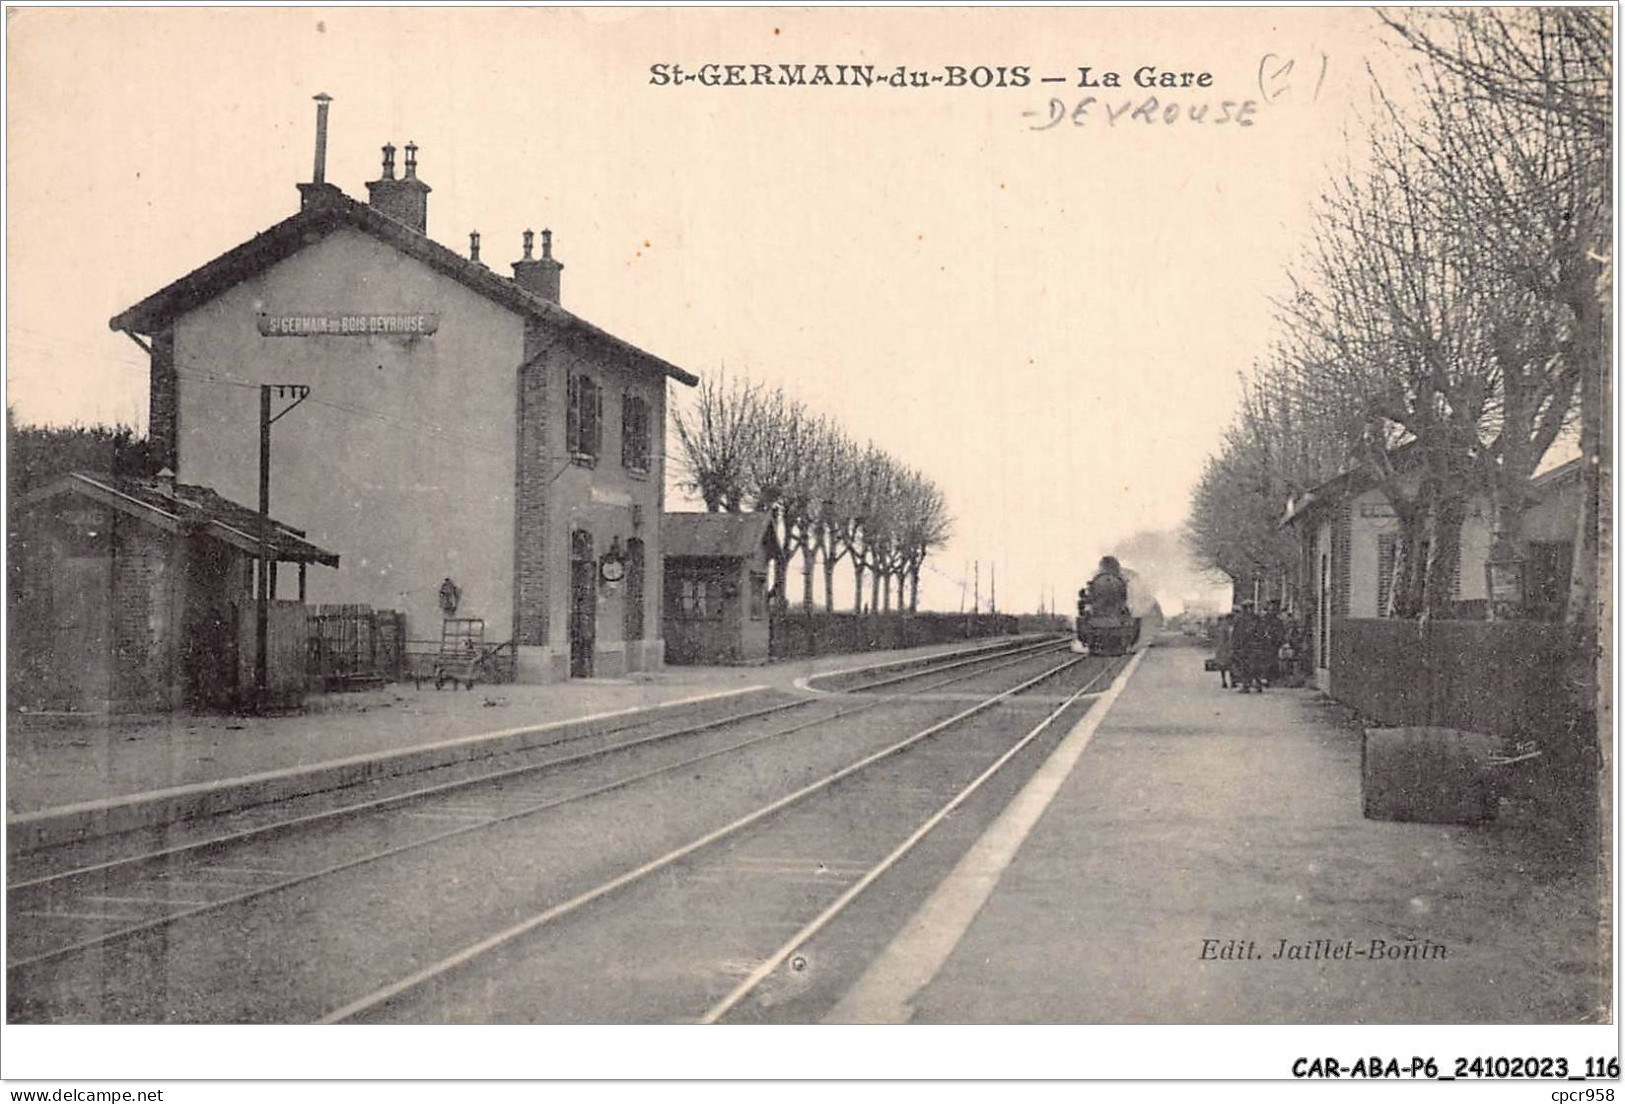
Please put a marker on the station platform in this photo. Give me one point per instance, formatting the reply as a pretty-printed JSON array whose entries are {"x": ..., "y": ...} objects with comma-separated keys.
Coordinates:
[
  {"x": 1198, "y": 834},
  {"x": 69, "y": 777}
]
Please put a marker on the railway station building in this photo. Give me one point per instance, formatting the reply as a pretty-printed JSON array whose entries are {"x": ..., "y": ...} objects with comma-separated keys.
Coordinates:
[
  {"x": 470, "y": 446},
  {"x": 1348, "y": 533}
]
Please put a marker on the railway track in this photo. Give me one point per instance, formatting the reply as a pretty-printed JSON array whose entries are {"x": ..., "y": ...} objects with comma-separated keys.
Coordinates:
[
  {"x": 105, "y": 854},
  {"x": 291, "y": 887},
  {"x": 138, "y": 893},
  {"x": 769, "y": 855}
]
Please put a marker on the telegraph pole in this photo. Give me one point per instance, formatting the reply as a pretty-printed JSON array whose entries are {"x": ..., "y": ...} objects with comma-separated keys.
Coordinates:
[{"x": 262, "y": 590}]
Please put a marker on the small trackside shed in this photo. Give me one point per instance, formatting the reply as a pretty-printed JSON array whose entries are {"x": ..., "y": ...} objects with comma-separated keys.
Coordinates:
[
  {"x": 716, "y": 587},
  {"x": 134, "y": 595}
]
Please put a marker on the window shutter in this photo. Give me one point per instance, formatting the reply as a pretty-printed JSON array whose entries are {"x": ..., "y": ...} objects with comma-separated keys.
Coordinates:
[
  {"x": 1386, "y": 545},
  {"x": 597, "y": 439},
  {"x": 572, "y": 417},
  {"x": 628, "y": 432},
  {"x": 634, "y": 433}
]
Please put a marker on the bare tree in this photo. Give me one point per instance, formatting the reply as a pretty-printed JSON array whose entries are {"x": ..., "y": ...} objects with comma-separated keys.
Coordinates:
[
  {"x": 783, "y": 439},
  {"x": 1399, "y": 326},
  {"x": 746, "y": 446},
  {"x": 1519, "y": 112},
  {"x": 1268, "y": 457},
  {"x": 718, "y": 435},
  {"x": 926, "y": 527},
  {"x": 869, "y": 544},
  {"x": 835, "y": 532}
]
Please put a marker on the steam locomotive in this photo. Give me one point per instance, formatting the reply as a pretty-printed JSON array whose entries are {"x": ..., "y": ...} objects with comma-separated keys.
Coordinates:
[{"x": 1106, "y": 623}]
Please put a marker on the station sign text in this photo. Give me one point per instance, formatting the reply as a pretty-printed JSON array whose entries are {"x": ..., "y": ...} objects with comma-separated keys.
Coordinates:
[{"x": 348, "y": 325}]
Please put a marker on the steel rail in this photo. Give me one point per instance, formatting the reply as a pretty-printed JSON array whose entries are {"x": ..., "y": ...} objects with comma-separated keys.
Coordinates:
[
  {"x": 507, "y": 935},
  {"x": 265, "y": 831},
  {"x": 157, "y": 922},
  {"x": 765, "y": 969},
  {"x": 1031, "y": 649}
]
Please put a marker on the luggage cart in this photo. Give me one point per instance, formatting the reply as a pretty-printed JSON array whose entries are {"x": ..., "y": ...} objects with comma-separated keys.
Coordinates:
[{"x": 462, "y": 652}]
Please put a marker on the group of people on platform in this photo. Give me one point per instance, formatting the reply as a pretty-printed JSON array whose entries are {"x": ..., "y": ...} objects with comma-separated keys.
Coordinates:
[{"x": 1253, "y": 650}]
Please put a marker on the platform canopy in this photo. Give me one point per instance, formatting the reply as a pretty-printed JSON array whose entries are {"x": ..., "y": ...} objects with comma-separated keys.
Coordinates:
[{"x": 175, "y": 507}]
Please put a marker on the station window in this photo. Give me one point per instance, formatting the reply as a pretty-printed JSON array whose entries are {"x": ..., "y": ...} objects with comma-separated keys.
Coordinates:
[
  {"x": 698, "y": 600},
  {"x": 583, "y": 423},
  {"x": 634, "y": 433},
  {"x": 758, "y": 596}
]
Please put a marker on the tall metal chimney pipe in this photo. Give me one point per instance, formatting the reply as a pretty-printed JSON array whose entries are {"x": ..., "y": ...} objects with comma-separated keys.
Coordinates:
[{"x": 322, "y": 100}]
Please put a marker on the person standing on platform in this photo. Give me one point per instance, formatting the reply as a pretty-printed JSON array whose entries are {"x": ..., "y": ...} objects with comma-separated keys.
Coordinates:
[
  {"x": 1272, "y": 636},
  {"x": 1221, "y": 649},
  {"x": 1244, "y": 648}
]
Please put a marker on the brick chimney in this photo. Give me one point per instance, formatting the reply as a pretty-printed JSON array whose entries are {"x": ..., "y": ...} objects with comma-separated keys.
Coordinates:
[
  {"x": 539, "y": 276},
  {"x": 405, "y": 200}
]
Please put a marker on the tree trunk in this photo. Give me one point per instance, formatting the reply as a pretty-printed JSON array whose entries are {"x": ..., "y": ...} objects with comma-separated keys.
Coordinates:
[
  {"x": 1590, "y": 669},
  {"x": 808, "y": 562},
  {"x": 874, "y": 590},
  {"x": 857, "y": 584},
  {"x": 1444, "y": 555},
  {"x": 1590, "y": 349},
  {"x": 1405, "y": 591},
  {"x": 1582, "y": 603},
  {"x": 829, "y": 583},
  {"x": 781, "y": 585},
  {"x": 914, "y": 589}
]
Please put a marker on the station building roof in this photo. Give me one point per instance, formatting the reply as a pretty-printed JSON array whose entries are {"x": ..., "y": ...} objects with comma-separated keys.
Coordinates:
[
  {"x": 328, "y": 209},
  {"x": 1358, "y": 479}
]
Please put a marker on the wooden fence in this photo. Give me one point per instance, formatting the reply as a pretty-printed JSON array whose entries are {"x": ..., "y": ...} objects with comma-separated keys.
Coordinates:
[
  {"x": 1515, "y": 679},
  {"x": 352, "y": 646}
]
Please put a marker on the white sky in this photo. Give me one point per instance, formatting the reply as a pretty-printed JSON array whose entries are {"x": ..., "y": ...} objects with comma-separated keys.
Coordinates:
[{"x": 1049, "y": 323}]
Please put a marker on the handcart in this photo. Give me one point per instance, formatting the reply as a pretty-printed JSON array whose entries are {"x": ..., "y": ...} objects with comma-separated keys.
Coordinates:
[{"x": 462, "y": 654}]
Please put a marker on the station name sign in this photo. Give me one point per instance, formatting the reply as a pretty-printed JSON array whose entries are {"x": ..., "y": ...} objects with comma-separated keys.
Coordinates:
[{"x": 348, "y": 325}]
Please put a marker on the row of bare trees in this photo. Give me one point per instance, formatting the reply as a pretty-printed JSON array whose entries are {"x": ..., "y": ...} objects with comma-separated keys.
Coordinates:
[
  {"x": 1450, "y": 321},
  {"x": 748, "y": 447}
]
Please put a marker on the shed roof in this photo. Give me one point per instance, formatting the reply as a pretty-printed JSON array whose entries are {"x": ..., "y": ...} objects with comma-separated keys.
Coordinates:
[
  {"x": 178, "y": 506},
  {"x": 326, "y": 210},
  {"x": 738, "y": 536}
]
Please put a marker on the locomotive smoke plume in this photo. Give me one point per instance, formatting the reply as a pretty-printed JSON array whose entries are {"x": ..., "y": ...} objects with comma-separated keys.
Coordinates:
[{"x": 1161, "y": 570}]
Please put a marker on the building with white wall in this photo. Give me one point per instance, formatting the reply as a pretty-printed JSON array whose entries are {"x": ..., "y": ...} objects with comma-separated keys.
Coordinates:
[
  {"x": 461, "y": 424},
  {"x": 1348, "y": 531}
]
